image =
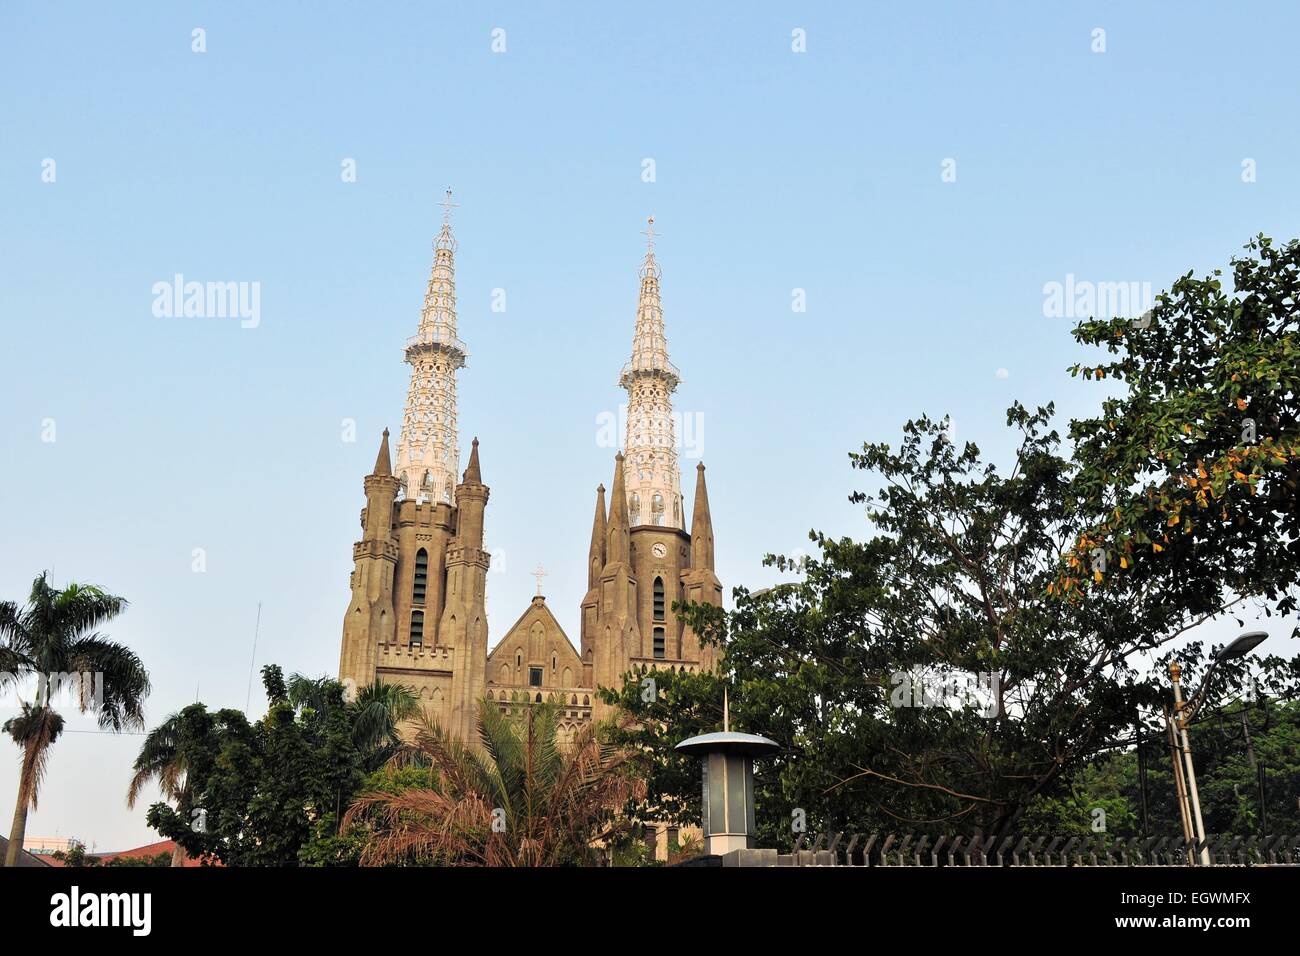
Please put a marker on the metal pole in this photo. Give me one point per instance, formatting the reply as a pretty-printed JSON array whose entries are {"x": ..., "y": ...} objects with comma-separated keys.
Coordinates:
[
  {"x": 1175, "y": 673},
  {"x": 1263, "y": 804},
  {"x": 1142, "y": 780},
  {"x": 1180, "y": 786}
]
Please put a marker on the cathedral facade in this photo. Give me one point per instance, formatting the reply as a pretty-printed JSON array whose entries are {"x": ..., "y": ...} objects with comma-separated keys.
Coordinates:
[{"x": 417, "y": 612}]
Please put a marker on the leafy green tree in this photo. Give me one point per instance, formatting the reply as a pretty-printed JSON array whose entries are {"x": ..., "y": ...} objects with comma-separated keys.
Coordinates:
[
  {"x": 1227, "y": 757},
  {"x": 158, "y": 859},
  {"x": 76, "y": 856},
  {"x": 57, "y": 633},
  {"x": 524, "y": 799},
  {"x": 256, "y": 794},
  {"x": 1191, "y": 469},
  {"x": 846, "y": 667},
  {"x": 272, "y": 793}
]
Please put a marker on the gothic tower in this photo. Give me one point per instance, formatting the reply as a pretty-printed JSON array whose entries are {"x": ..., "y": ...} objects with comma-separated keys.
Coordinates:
[
  {"x": 648, "y": 561},
  {"x": 417, "y": 614}
]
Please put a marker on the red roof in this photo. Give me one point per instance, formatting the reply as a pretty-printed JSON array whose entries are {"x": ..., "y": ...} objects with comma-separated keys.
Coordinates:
[
  {"x": 151, "y": 849},
  {"x": 146, "y": 851}
]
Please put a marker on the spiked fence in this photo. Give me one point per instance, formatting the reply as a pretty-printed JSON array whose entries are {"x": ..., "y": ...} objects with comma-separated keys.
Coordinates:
[{"x": 892, "y": 849}]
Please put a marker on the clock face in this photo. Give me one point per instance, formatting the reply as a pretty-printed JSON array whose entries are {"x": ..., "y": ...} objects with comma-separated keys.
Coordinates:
[{"x": 659, "y": 550}]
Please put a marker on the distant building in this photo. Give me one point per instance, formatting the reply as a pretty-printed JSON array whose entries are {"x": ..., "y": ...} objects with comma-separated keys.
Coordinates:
[{"x": 24, "y": 858}]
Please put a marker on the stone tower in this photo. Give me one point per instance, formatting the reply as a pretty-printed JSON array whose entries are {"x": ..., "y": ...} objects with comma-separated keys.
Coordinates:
[
  {"x": 417, "y": 613},
  {"x": 647, "y": 559}
]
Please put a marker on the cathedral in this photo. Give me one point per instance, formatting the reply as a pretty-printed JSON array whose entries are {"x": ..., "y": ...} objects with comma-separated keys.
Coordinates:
[{"x": 417, "y": 613}]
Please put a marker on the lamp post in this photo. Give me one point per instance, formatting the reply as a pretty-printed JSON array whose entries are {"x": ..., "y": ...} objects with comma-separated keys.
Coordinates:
[
  {"x": 728, "y": 782},
  {"x": 1182, "y": 717}
]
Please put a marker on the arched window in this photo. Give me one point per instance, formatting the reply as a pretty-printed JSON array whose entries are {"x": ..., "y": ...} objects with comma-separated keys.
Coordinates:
[
  {"x": 661, "y": 644},
  {"x": 634, "y": 507},
  {"x": 657, "y": 509},
  {"x": 659, "y": 599},
  {"x": 421, "y": 577},
  {"x": 417, "y": 627}
]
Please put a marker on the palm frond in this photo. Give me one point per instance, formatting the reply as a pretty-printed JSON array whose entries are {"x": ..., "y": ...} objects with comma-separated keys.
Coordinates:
[
  {"x": 125, "y": 682},
  {"x": 519, "y": 799}
]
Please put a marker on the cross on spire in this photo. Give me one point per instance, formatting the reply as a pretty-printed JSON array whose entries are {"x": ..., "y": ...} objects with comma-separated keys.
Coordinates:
[
  {"x": 447, "y": 206},
  {"x": 649, "y": 232},
  {"x": 540, "y": 573}
]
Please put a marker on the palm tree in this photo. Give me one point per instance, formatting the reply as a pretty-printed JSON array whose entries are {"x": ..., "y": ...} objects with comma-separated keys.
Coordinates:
[
  {"x": 161, "y": 758},
  {"x": 524, "y": 799},
  {"x": 377, "y": 712},
  {"x": 54, "y": 635}
]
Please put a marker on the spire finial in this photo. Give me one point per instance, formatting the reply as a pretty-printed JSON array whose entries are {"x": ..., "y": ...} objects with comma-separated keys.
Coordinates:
[
  {"x": 726, "y": 712},
  {"x": 540, "y": 573},
  {"x": 649, "y": 267},
  {"x": 383, "y": 462},
  {"x": 473, "y": 473},
  {"x": 447, "y": 206}
]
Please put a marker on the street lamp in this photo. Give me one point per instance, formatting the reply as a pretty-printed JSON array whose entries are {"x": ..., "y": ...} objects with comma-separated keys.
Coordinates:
[{"x": 1193, "y": 824}]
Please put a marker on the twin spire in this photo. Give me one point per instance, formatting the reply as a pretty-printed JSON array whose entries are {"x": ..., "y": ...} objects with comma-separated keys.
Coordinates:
[{"x": 647, "y": 482}]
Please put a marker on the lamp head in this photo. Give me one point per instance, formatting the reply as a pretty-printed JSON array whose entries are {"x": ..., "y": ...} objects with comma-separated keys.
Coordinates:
[{"x": 1242, "y": 646}]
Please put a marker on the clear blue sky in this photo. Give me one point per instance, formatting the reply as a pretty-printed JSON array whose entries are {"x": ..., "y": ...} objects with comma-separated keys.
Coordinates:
[{"x": 775, "y": 170}]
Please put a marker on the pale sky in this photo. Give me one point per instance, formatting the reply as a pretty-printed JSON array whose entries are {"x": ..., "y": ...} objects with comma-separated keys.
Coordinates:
[{"x": 920, "y": 171}]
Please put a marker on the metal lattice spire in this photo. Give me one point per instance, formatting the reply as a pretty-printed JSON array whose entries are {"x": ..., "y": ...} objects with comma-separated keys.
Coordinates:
[
  {"x": 428, "y": 455},
  {"x": 653, "y": 481}
]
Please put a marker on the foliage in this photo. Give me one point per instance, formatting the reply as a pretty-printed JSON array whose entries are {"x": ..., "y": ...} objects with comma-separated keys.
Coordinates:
[
  {"x": 158, "y": 859},
  {"x": 522, "y": 799},
  {"x": 962, "y": 577},
  {"x": 258, "y": 793},
  {"x": 1191, "y": 471}
]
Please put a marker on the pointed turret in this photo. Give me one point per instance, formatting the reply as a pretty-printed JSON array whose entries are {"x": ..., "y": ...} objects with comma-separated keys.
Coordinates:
[
  {"x": 701, "y": 524},
  {"x": 596, "y": 555},
  {"x": 472, "y": 473},
  {"x": 616, "y": 543},
  {"x": 384, "y": 461}
]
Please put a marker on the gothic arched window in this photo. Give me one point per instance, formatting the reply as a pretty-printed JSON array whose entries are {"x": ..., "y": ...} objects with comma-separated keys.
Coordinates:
[
  {"x": 417, "y": 627},
  {"x": 635, "y": 507},
  {"x": 659, "y": 599},
  {"x": 421, "y": 584},
  {"x": 657, "y": 509}
]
